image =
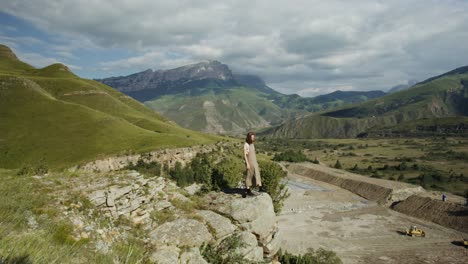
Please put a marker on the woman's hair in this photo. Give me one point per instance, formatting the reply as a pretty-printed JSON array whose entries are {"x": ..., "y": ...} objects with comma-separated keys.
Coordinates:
[{"x": 248, "y": 139}]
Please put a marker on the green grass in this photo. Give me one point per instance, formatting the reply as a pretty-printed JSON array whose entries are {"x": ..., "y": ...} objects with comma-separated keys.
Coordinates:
[
  {"x": 235, "y": 109},
  {"x": 442, "y": 160},
  {"x": 23, "y": 198},
  {"x": 53, "y": 117}
]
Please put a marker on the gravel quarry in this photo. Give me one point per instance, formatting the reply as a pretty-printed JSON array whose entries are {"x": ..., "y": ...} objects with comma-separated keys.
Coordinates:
[{"x": 320, "y": 214}]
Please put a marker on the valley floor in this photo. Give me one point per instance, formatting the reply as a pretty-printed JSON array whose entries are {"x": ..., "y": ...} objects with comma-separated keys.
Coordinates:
[{"x": 318, "y": 214}]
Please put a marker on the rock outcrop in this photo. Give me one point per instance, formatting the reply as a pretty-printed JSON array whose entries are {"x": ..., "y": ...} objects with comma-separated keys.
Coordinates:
[
  {"x": 165, "y": 156},
  {"x": 177, "y": 231},
  {"x": 254, "y": 215}
]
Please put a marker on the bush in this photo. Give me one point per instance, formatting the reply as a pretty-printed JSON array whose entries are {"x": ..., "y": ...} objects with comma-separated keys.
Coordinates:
[
  {"x": 291, "y": 156},
  {"x": 321, "y": 256},
  {"x": 401, "y": 177},
  {"x": 39, "y": 169},
  {"x": 225, "y": 252},
  {"x": 202, "y": 169},
  {"x": 272, "y": 174},
  {"x": 338, "y": 165},
  {"x": 152, "y": 168},
  {"x": 228, "y": 173},
  {"x": 183, "y": 176}
]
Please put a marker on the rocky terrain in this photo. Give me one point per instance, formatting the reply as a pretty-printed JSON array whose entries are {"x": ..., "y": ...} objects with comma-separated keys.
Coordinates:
[
  {"x": 402, "y": 197},
  {"x": 166, "y": 156},
  {"x": 175, "y": 224},
  {"x": 321, "y": 214}
]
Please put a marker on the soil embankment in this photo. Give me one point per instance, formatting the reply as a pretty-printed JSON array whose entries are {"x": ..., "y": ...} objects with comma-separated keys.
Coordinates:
[
  {"x": 406, "y": 198},
  {"x": 377, "y": 190},
  {"x": 322, "y": 215},
  {"x": 449, "y": 214}
]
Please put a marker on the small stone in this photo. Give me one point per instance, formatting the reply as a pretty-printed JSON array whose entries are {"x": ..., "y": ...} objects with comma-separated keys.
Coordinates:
[{"x": 84, "y": 235}]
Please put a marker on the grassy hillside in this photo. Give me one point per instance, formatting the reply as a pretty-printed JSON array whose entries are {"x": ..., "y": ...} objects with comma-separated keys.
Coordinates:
[
  {"x": 323, "y": 102},
  {"x": 446, "y": 96},
  {"x": 228, "y": 111},
  {"x": 51, "y": 116}
]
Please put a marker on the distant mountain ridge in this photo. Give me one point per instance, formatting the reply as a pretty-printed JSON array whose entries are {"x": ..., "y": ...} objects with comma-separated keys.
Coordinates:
[
  {"x": 209, "y": 97},
  {"x": 402, "y": 87},
  {"x": 443, "y": 96}
]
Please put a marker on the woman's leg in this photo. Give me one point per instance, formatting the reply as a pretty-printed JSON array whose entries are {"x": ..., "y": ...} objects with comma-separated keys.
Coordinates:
[{"x": 248, "y": 178}]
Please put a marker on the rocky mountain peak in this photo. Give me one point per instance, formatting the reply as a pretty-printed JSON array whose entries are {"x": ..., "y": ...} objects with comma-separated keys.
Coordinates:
[{"x": 202, "y": 70}]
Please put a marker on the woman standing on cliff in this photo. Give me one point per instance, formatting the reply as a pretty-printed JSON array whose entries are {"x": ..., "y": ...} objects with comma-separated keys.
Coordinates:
[{"x": 253, "y": 172}]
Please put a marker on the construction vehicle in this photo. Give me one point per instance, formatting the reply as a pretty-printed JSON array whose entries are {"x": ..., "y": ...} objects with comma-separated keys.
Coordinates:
[
  {"x": 465, "y": 242},
  {"x": 413, "y": 231}
]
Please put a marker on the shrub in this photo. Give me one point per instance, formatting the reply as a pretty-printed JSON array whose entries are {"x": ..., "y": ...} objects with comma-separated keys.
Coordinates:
[
  {"x": 228, "y": 173},
  {"x": 338, "y": 165},
  {"x": 225, "y": 252},
  {"x": 183, "y": 176},
  {"x": 160, "y": 217},
  {"x": 63, "y": 233},
  {"x": 149, "y": 168},
  {"x": 28, "y": 170},
  {"x": 401, "y": 177},
  {"x": 402, "y": 166},
  {"x": 321, "y": 256},
  {"x": 272, "y": 174},
  {"x": 202, "y": 169},
  {"x": 291, "y": 156}
]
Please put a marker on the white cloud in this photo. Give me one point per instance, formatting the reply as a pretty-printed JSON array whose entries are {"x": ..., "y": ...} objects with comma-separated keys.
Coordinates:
[
  {"x": 40, "y": 61},
  {"x": 300, "y": 44}
]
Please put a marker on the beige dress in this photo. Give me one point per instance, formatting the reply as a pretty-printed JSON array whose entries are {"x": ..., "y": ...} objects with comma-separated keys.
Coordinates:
[{"x": 254, "y": 172}]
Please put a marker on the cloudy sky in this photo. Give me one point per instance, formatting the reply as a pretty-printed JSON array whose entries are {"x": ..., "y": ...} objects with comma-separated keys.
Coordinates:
[{"x": 307, "y": 47}]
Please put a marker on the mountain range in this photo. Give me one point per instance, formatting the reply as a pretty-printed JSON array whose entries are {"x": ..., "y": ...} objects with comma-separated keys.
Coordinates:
[
  {"x": 52, "y": 116},
  {"x": 209, "y": 97},
  {"x": 438, "y": 101}
]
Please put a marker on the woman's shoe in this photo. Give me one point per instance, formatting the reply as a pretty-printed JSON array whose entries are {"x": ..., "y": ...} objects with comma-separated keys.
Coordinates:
[{"x": 249, "y": 192}]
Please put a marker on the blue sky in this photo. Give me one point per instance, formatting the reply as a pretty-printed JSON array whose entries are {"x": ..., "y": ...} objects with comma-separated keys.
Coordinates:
[
  {"x": 41, "y": 48},
  {"x": 307, "y": 47}
]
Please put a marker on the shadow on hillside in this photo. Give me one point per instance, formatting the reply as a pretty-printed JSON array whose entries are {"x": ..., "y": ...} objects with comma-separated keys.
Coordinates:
[
  {"x": 233, "y": 190},
  {"x": 458, "y": 243},
  {"x": 16, "y": 260},
  {"x": 403, "y": 233},
  {"x": 459, "y": 213}
]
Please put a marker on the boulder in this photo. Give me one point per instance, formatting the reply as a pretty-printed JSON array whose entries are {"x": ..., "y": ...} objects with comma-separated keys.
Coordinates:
[
  {"x": 192, "y": 256},
  {"x": 182, "y": 233},
  {"x": 192, "y": 189},
  {"x": 221, "y": 225},
  {"x": 254, "y": 214},
  {"x": 272, "y": 247},
  {"x": 250, "y": 250},
  {"x": 165, "y": 255}
]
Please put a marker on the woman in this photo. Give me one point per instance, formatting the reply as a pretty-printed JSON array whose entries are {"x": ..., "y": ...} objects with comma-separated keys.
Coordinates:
[{"x": 251, "y": 164}]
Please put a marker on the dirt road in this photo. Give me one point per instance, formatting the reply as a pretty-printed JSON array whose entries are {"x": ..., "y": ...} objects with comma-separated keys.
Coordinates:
[{"x": 318, "y": 214}]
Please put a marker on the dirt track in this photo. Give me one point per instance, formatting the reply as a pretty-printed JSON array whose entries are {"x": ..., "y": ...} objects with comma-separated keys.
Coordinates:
[{"x": 318, "y": 214}]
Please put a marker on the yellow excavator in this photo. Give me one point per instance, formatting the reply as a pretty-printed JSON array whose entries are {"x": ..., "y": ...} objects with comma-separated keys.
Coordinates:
[
  {"x": 413, "y": 231},
  {"x": 465, "y": 242}
]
